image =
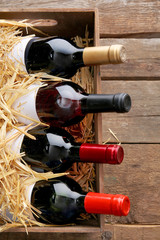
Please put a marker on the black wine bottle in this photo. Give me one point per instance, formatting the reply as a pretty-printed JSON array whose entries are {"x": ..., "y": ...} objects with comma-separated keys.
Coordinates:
[
  {"x": 62, "y": 200},
  {"x": 60, "y": 57},
  {"x": 56, "y": 150},
  {"x": 66, "y": 103}
]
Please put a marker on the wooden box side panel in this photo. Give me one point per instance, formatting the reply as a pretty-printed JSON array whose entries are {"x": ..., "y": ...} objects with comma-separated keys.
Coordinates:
[
  {"x": 65, "y": 23},
  {"x": 98, "y": 118}
]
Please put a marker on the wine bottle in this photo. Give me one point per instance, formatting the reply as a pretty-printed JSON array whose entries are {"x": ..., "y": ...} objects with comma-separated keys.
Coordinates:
[
  {"x": 66, "y": 103},
  {"x": 61, "y": 201},
  {"x": 60, "y": 57},
  {"x": 56, "y": 150}
]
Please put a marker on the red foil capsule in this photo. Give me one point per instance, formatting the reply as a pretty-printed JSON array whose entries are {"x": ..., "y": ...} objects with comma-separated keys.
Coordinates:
[
  {"x": 101, "y": 203},
  {"x": 111, "y": 154}
]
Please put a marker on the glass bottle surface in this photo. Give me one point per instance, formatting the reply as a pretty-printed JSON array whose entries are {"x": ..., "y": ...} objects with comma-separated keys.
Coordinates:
[
  {"x": 62, "y": 200},
  {"x": 55, "y": 150}
]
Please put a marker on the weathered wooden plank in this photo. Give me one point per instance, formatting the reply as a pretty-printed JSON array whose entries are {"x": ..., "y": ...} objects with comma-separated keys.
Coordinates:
[
  {"x": 132, "y": 130},
  {"x": 117, "y": 17},
  {"x": 131, "y": 232},
  {"x": 50, "y": 236},
  {"x": 138, "y": 177},
  {"x": 110, "y": 232},
  {"x": 143, "y": 60},
  {"x": 142, "y": 123},
  {"x": 125, "y": 17},
  {"x": 67, "y": 21}
]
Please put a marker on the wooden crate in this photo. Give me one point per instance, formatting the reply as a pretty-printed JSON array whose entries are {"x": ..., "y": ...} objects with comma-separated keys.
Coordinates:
[{"x": 65, "y": 23}]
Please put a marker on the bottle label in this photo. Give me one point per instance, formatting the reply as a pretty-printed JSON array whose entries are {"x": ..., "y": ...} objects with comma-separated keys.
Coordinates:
[
  {"x": 26, "y": 105},
  {"x": 16, "y": 143},
  {"x": 30, "y": 215},
  {"x": 29, "y": 190},
  {"x": 17, "y": 55}
]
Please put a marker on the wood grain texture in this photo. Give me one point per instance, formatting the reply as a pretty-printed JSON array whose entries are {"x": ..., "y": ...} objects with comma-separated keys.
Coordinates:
[
  {"x": 111, "y": 232},
  {"x": 117, "y": 17},
  {"x": 138, "y": 177},
  {"x": 50, "y": 236},
  {"x": 143, "y": 59},
  {"x": 135, "y": 24},
  {"x": 142, "y": 123},
  {"x": 131, "y": 232}
]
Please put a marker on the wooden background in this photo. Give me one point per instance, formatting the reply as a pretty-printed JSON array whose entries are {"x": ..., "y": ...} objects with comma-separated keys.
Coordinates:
[{"x": 136, "y": 24}]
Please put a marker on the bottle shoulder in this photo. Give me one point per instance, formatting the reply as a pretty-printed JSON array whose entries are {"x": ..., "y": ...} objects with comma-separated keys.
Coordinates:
[
  {"x": 58, "y": 200},
  {"x": 59, "y": 44},
  {"x": 66, "y": 181}
]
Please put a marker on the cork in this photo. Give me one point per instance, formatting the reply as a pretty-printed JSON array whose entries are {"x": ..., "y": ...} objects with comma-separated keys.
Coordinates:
[{"x": 113, "y": 54}]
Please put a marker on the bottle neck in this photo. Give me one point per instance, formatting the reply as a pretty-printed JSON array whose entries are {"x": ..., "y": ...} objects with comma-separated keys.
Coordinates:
[
  {"x": 100, "y": 203},
  {"x": 95, "y": 103}
]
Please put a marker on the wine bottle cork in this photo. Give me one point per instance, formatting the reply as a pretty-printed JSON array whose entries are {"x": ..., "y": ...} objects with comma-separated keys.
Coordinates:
[{"x": 104, "y": 55}]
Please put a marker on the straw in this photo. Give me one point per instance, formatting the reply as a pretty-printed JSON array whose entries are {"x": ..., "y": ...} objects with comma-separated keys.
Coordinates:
[{"x": 15, "y": 174}]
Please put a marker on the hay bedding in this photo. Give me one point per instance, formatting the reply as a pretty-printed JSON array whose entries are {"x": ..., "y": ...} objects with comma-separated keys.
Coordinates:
[{"x": 15, "y": 176}]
